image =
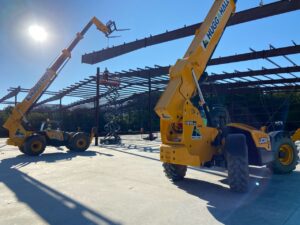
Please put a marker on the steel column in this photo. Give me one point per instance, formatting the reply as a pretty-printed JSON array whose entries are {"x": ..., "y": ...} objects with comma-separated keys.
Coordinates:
[
  {"x": 149, "y": 108},
  {"x": 97, "y": 106},
  {"x": 16, "y": 99}
]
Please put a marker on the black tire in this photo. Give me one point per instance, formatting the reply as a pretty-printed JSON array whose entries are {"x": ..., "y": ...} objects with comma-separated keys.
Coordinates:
[
  {"x": 68, "y": 146},
  {"x": 174, "y": 172},
  {"x": 237, "y": 162},
  {"x": 34, "y": 145},
  {"x": 79, "y": 142},
  {"x": 21, "y": 148},
  {"x": 285, "y": 154},
  {"x": 69, "y": 138}
]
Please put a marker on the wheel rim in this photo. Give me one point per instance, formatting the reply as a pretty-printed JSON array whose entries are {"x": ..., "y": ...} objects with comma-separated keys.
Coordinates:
[
  {"x": 36, "y": 146},
  {"x": 81, "y": 143},
  {"x": 286, "y": 154}
]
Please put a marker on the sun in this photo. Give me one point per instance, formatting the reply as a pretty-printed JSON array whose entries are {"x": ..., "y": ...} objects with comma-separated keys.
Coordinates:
[{"x": 38, "y": 33}]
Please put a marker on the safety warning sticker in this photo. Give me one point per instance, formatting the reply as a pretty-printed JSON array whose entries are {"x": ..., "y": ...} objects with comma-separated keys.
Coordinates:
[{"x": 196, "y": 133}]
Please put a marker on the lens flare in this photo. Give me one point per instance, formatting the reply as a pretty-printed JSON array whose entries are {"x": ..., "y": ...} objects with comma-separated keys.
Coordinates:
[{"x": 38, "y": 33}]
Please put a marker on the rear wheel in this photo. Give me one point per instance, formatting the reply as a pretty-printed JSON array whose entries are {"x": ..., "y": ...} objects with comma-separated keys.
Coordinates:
[
  {"x": 34, "y": 145},
  {"x": 79, "y": 142},
  {"x": 237, "y": 162},
  {"x": 285, "y": 155},
  {"x": 174, "y": 172}
]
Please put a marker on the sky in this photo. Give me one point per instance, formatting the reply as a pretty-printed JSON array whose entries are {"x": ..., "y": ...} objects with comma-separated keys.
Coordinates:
[{"x": 23, "y": 61}]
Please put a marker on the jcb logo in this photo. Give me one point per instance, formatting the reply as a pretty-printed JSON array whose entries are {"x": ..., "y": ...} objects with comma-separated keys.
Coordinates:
[{"x": 263, "y": 140}]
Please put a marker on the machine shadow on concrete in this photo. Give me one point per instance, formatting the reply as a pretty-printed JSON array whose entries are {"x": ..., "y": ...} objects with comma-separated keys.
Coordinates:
[
  {"x": 272, "y": 199},
  {"x": 51, "y": 205}
]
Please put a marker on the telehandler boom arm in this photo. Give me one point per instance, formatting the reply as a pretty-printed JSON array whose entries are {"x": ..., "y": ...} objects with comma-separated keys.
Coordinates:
[
  {"x": 183, "y": 130},
  {"x": 17, "y": 132},
  {"x": 182, "y": 86}
]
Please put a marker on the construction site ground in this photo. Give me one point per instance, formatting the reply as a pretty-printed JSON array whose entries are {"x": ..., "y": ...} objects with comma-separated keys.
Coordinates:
[{"x": 126, "y": 185}]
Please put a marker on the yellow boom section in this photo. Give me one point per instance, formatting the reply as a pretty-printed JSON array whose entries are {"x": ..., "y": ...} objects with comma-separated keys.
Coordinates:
[
  {"x": 17, "y": 132},
  {"x": 181, "y": 85},
  {"x": 186, "y": 138}
]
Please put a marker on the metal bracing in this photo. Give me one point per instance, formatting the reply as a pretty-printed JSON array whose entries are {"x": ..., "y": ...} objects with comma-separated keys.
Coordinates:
[
  {"x": 267, "y": 10},
  {"x": 135, "y": 82},
  {"x": 11, "y": 94}
]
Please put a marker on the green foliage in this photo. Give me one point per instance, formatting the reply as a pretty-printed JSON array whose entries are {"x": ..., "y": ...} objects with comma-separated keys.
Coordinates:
[
  {"x": 36, "y": 119},
  {"x": 4, "y": 114}
]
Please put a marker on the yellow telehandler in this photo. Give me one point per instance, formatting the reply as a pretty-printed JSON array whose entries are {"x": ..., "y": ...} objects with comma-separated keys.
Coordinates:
[
  {"x": 32, "y": 142},
  {"x": 192, "y": 135}
]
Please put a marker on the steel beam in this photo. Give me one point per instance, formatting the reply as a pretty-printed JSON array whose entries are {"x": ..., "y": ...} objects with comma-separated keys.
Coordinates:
[
  {"x": 256, "y": 55},
  {"x": 253, "y": 73},
  {"x": 256, "y": 13},
  {"x": 260, "y": 82},
  {"x": 222, "y": 87},
  {"x": 163, "y": 70},
  {"x": 12, "y": 93},
  {"x": 26, "y": 90},
  {"x": 65, "y": 92},
  {"x": 97, "y": 107},
  {"x": 225, "y": 90}
]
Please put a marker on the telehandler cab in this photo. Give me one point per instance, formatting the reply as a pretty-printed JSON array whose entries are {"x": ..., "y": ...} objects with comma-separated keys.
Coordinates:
[{"x": 193, "y": 136}]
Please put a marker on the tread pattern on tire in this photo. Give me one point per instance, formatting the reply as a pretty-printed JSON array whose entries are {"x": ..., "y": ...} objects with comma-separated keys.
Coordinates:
[
  {"x": 238, "y": 173},
  {"x": 174, "y": 172},
  {"x": 72, "y": 144},
  {"x": 237, "y": 162},
  {"x": 26, "y": 147}
]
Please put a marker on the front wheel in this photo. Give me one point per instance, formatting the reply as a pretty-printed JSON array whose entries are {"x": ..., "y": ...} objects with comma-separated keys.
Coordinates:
[
  {"x": 34, "y": 145},
  {"x": 285, "y": 155},
  {"x": 174, "y": 172},
  {"x": 79, "y": 142},
  {"x": 237, "y": 162}
]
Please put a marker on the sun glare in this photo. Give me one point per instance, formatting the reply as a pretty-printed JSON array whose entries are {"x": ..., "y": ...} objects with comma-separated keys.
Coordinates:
[{"x": 38, "y": 33}]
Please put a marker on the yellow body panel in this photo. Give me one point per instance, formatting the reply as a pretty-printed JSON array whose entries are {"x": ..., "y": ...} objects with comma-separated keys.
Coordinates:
[
  {"x": 186, "y": 139},
  {"x": 296, "y": 135},
  {"x": 193, "y": 146},
  {"x": 55, "y": 135},
  {"x": 260, "y": 138},
  {"x": 178, "y": 154}
]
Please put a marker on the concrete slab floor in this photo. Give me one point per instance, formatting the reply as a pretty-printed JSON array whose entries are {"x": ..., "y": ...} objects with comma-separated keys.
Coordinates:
[{"x": 126, "y": 185}]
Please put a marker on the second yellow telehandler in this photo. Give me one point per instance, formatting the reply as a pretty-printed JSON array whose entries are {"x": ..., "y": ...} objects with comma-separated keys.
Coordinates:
[{"x": 192, "y": 135}]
